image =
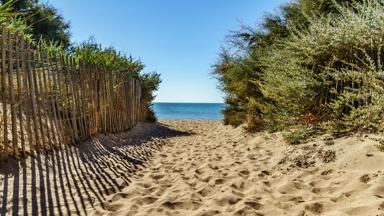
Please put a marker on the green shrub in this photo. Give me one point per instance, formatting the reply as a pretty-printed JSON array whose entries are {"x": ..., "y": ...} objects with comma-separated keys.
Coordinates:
[
  {"x": 320, "y": 58},
  {"x": 150, "y": 84},
  {"x": 10, "y": 20},
  {"x": 299, "y": 135},
  {"x": 234, "y": 118},
  {"x": 333, "y": 70},
  {"x": 344, "y": 54},
  {"x": 380, "y": 146},
  {"x": 284, "y": 87}
]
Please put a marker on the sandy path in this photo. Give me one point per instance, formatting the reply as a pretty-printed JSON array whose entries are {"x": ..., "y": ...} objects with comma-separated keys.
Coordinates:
[
  {"x": 218, "y": 170},
  {"x": 198, "y": 168}
]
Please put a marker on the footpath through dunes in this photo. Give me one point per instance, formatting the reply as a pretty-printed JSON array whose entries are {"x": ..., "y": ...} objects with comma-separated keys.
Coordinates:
[
  {"x": 218, "y": 170},
  {"x": 197, "y": 168}
]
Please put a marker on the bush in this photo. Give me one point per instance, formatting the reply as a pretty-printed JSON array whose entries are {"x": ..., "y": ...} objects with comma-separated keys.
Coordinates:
[
  {"x": 332, "y": 70},
  {"x": 150, "y": 84},
  {"x": 299, "y": 135},
  {"x": 233, "y": 118},
  {"x": 284, "y": 86},
  {"x": 320, "y": 62},
  {"x": 344, "y": 54},
  {"x": 380, "y": 146}
]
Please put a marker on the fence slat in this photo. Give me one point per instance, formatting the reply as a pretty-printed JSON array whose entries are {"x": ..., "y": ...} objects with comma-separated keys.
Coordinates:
[
  {"x": 72, "y": 98},
  {"x": 41, "y": 102},
  {"x": 48, "y": 120},
  {"x": 31, "y": 86},
  {"x": 48, "y": 83},
  {"x": 67, "y": 99},
  {"x": 4, "y": 95},
  {"x": 26, "y": 102},
  {"x": 60, "y": 112},
  {"x": 12, "y": 95},
  {"x": 20, "y": 102}
]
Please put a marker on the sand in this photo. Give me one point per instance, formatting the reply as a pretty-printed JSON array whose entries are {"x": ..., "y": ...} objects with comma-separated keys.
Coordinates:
[{"x": 199, "y": 168}]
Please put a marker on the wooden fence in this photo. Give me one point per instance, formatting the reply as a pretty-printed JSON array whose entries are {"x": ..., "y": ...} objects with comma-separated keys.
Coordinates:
[{"x": 50, "y": 101}]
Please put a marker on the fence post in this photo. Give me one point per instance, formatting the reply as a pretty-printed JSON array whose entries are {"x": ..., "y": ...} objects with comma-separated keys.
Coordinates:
[
  {"x": 20, "y": 102},
  {"x": 4, "y": 95},
  {"x": 12, "y": 95}
]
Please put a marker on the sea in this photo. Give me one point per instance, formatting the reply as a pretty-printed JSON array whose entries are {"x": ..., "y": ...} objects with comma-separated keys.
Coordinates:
[{"x": 189, "y": 111}]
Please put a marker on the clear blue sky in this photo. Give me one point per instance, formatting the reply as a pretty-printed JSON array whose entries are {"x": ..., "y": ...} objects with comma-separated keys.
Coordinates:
[{"x": 180, "y": 39}]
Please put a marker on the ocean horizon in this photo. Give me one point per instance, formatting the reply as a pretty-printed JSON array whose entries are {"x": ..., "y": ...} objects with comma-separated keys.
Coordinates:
[{"x": 188, "y": 111}]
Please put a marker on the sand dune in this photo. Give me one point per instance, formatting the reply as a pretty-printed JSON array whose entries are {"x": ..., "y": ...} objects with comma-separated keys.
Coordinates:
[{"x": 198, "y": 168}]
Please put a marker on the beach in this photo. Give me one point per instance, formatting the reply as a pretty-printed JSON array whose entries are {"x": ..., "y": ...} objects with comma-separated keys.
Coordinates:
[{"x": 199, "y": 168}]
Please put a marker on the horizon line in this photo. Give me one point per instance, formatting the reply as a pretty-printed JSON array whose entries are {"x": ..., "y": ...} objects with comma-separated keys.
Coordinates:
[{"x": 188, "y": 102}]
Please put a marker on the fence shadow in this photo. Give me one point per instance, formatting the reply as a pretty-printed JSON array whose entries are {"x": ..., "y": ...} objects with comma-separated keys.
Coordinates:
[{"x": 75, "y": 179}]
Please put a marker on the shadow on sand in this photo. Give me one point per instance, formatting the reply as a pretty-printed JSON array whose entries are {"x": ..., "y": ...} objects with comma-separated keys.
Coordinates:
[{"x": 75, "y": 179}]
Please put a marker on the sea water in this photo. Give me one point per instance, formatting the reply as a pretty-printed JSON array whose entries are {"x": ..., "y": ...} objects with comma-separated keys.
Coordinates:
[{"x": 189, "y": 111}]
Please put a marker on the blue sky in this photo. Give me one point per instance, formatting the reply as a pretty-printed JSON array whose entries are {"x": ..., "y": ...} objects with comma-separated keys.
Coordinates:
[{"x": 180, "y": 39}]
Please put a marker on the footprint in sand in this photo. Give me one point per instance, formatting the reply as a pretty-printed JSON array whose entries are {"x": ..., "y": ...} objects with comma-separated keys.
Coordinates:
[
  {"x": 205, "y": 191},
  {"x": 160, "y": 192},
  {"x": 244, "y": 173},
  {"x": 157, "y": 177},
  {"x": 237, "y": 183},
  {"x": 152, "y": 189},
  {"x": 149, "y": 200},
  {"x": 228, "y": 198},
  {"x": 173, "y": 205},
  {"x": 205, "y": 212},
  {"x": 316, "y": 208},
  {"x": 264, "y": 173},
  {"x": 115, "y": 207},
  {"x": 119, "y": 196},
  {"x": 254, "y": 205},
  {"x": 219, "y": 181},
  {"x": 316, "y": 190}
]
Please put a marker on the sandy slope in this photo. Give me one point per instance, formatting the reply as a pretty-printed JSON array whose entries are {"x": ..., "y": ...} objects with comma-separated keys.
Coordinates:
[
  {"x": 197, "y": 168},
  {"x": 221, "y": 171}
]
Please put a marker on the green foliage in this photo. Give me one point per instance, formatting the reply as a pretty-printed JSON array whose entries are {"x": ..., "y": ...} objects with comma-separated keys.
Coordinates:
[
  {"x": 53, "y": 48},
  {"x": 91, "y": 51},
  {"x": 344, "y": 54},
  {"x": 318, "y": 63},
  {"x": 6, "y": 12},
  {"x": 48, "y": 24},
  {"x": 282, "y": 87},
  {"x": 10, "y": 21},
  {"x": 150, "y": 84},
  {"x": 380, "y": 146},
  {"x": 42, "y": 21},
  {"x": 299, "y": 135},
  {"x": 233, "y": 117}
]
